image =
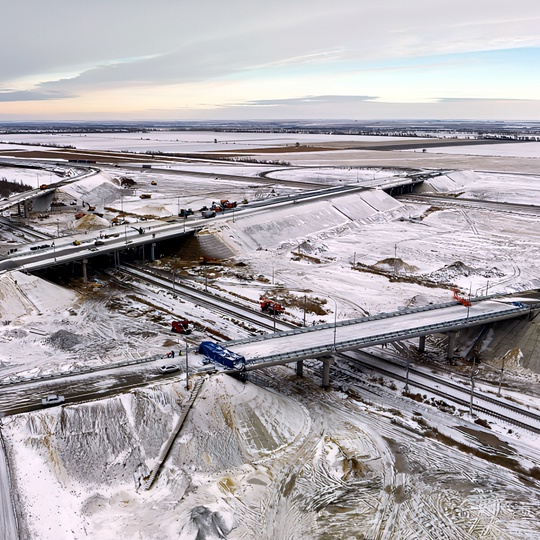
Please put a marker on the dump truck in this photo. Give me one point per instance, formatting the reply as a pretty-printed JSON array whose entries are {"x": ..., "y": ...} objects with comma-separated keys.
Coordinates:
[{"x": 216, "y": 353}]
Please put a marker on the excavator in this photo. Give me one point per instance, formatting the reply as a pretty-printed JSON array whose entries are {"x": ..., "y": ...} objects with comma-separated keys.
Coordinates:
[
  {"x": 460, "y": 299},
  {"x": 181, "y": 327},
  {"x": 270, "y": 306}
]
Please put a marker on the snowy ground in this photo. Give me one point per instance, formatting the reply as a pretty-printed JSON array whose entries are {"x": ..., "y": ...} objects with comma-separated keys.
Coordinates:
[{"x": 277, "y": 457}]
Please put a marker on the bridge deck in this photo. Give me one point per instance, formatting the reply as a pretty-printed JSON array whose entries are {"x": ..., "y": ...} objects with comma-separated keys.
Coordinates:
[{"x": 311, "y": 342}]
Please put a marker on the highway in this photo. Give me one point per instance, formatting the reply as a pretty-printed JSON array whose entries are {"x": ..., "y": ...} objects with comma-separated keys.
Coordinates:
[
  {"x": 8, "y": 521},
  {"x": 62, "y": 250},
  {"x": 19, "y": 198}
]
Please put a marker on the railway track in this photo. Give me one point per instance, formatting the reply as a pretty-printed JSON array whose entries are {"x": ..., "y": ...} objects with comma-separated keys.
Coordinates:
[
  {"x": 440, "y": 386},
  {"x": 217, "y": 304}
]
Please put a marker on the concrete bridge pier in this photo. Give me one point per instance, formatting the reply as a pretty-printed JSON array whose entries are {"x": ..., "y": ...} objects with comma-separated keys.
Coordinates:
[
  {"x": 326, "y": 372},
  {"x": 422, "y": 344},
  {"x": 451, "y": 345},
  {"x": 300, "y": 368},
  {"x": 84, "y": 273},
  {"x": 153, "y": 251}
]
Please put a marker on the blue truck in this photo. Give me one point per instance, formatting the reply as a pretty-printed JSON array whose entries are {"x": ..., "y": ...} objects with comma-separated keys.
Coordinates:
[{"x": 216, "y": 353}]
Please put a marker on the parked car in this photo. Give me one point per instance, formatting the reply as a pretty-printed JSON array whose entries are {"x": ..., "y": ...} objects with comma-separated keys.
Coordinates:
[
  {"x": 169, "y": 368},
  {"x": 53, "y": 399}
]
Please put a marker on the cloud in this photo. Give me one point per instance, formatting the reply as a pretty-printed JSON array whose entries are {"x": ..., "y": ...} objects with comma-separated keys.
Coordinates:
[
  {"x": 308, "y": 100},
  {"x": 32, "y": 95},
  {"x": 482, "y": 100}
]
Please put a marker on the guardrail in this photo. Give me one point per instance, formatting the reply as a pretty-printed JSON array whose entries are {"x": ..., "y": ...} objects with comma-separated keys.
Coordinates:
[
  {"x": 321, "y": 350},
  {"x": 380, "y": 316},
  {"x": 81, "y": 371}
]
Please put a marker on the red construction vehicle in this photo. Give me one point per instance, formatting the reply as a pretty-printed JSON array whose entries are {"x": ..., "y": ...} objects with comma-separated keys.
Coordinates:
[
  {"x": 43, "y": 186},
  {"x": 225, "y": 203},
  {"x": 274, "y": 308},
  {"x": 460, "y": 299},
  {"x": 181, "y": 327}
]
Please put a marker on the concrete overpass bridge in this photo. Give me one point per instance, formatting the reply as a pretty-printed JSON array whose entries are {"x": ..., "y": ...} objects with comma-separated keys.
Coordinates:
[
  {"x": 145, "y": 236},
  {"x": 323, "y": 340}
]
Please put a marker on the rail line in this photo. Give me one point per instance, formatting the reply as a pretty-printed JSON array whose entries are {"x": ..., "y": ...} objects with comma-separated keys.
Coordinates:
[
  {"x": 480, "y": 403},
  {"x": 208, "y": 300}
]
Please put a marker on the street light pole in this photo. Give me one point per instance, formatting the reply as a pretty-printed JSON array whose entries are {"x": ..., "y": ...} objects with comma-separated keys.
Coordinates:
[{"x": 335, "y": 321}]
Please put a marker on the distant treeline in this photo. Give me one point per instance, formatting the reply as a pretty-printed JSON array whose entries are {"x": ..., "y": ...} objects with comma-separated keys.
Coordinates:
[
  {"x": 395, "y": 128},
  {"x": 525, "y": 131},
  {"x": 7, "y": 187}
]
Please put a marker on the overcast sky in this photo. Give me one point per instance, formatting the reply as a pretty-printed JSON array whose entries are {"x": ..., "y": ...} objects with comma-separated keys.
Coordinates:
[{"x": 271, "y": 59}]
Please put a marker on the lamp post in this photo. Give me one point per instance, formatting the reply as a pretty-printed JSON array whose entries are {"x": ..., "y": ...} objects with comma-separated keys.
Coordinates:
[
  {"x": 335, "y": 321},
  {"x": 54, "y": 251}
]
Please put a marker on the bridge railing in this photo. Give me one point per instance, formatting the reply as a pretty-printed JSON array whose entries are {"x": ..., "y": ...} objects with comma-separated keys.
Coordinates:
[{"x": 320, "y": 350}]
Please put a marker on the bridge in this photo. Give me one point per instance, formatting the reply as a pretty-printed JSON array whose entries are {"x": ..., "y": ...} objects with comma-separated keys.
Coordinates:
[
  {"x": 79, "y": 247},
  {"x": 323, "y": 340}
]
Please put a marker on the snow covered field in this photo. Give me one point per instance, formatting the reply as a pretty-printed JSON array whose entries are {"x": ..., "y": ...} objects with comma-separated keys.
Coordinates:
[
  {"x": 181, "y": 141},
  {"x": 278, "y": 457}
]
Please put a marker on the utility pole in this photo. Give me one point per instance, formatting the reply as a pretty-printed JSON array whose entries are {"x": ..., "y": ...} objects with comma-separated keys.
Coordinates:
[
  {"x": 501, "y": 377},
  {"x": 407, "y": 375},
  {"x": 472, "y": 386},
  {"x": 187, "y": 368},
  {"x": 305, "y": 302}
]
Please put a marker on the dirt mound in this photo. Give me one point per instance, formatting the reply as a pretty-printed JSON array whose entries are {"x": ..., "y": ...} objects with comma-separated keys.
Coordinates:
[
  {"x": 63, "y": 339},
  {"x": 391, "y": 264},
  {"x": 451, "y": 272},
  {"x": 91, "y": 222}
]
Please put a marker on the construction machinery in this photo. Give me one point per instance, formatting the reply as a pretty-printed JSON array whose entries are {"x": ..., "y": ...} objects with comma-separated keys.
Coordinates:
[
  {"x": 226, "y": 204},
  {"x": 460, "y": 299},
  {"x": 270, "y": 306},
  {"x": 181, "y": 327}
]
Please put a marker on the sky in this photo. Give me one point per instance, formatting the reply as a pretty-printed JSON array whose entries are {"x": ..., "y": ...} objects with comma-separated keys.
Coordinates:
[{"x": 257, "y": 60}]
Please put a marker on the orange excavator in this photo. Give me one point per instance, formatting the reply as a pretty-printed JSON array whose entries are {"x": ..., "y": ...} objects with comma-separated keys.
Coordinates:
[
  {"x": 274, "y": 308},
  {"x": 460, "y": 299}
]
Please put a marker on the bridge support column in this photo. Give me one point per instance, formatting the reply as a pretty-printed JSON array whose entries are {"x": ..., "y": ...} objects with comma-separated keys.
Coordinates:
[
  {"x": 326, "y": 373},
  {"x": 84, "y": 273},
  {"x": 152, "y": 251},
  {"x": 25, "y": 207},
  {"x": 451, "y": 345},
  {"x": 422, "y": 344},
  {"x": 300, "y": 368}
]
